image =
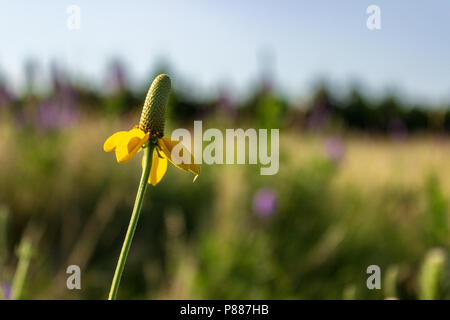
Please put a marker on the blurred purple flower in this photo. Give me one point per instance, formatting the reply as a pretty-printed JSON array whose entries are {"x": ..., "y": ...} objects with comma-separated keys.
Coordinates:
[
  {"x": 6, "y": 289},
  {"x": 6, "y": 97},
  {"x": 47, "y": 116},
  {"x": 334, "y": 149},
  {"x": 61, "y": 109},
  {"x": 264, "y": 202},
  {"x": 54, "y": 116}
]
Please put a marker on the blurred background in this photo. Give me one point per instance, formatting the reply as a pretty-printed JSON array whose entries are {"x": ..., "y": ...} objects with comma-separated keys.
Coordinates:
[{"x": 364, "y": 178}]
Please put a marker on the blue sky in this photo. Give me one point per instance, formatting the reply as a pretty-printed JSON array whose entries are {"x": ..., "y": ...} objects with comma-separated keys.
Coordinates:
[{"x": 215, "y": 42}]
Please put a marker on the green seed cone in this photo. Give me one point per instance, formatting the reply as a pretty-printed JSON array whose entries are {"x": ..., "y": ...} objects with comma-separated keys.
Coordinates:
[{"x": 153, "y": 114}]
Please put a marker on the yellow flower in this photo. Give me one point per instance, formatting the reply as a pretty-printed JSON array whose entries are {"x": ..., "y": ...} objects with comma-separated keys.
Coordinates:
[{"x": 150, "y": 133}]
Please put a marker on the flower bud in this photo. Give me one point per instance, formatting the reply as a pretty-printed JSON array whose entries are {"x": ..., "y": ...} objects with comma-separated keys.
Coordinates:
[{"x": 153, "y": 114}]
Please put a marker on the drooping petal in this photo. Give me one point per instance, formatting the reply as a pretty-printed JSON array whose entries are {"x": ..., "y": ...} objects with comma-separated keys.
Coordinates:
[
  {"x": 122, "y": 154},
  {"x": 158, "y": 170},
  {"x": 112, "y": 142},
  {"x": 136, "y": 132},
  {"x": 130, "y": 144},
  {"x": 167, "y": 146},
  {"x": 195, "y": 169}
]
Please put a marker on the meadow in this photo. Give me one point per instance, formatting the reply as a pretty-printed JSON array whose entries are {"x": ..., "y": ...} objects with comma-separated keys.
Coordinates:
[{"x": 343, "y": 199}]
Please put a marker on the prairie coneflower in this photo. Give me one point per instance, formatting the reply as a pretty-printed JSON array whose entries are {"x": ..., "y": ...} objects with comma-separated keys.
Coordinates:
[
  {"x": 150, "y": 132},
  {"x": 149, "y": 136}
]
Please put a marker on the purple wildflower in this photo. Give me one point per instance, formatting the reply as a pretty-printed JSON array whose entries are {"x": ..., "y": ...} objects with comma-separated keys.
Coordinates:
[
  {"x": 334, "y": 149},
  {"x": 54, "y": 116},
  {"x": 6, "y": 97},
  {"x": 6, "y": 290},
  {"x": 264, "y": 203},
  {"x": 61, "y": 109}
]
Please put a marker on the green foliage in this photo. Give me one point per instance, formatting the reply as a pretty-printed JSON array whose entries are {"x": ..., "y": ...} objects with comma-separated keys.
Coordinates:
[
  {"x": 437, "y": 224},
  {"x": 206, "y": 240},
  {"x": 431, "y": 275}
]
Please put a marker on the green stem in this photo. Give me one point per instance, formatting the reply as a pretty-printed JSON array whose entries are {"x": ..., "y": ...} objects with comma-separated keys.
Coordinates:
[
  {"x": 24, "y": 253},
  {"x": 133, "y": 222}
]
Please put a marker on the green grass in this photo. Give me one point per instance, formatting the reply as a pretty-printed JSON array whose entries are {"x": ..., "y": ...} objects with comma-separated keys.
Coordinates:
[{"x": 385, "y": 203}]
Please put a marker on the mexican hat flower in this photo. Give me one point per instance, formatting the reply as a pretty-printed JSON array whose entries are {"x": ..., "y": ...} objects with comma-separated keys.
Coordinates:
[
  {"x": 150, "y": 133},
  {"x": 147, "y": 136}
]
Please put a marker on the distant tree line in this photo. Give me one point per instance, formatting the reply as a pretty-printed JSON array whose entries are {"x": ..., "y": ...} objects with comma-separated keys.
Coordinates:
[{"x": 264, "y": 107}]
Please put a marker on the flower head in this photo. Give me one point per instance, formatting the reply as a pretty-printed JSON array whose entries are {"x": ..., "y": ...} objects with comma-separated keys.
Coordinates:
[
  {"x": 150, "y": 133},
  {"x": 153, "y": 114}
]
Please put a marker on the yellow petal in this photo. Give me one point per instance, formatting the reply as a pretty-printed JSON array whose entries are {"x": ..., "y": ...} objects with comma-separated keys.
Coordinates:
[
  {"x": 195, "y": 169},
  {"x": 167, "y": 146},
  {"x": 112, "y": 142},
  {"x": 122, "y": 154},
  {"x": 136, "y": 132},
  {"x": 130, "y": 144},
  {"x": 158, "y": 170}
]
